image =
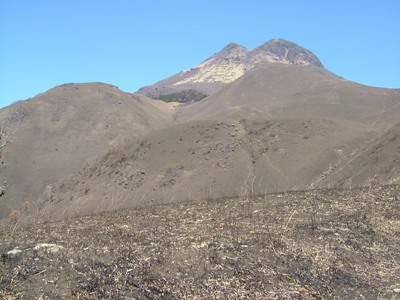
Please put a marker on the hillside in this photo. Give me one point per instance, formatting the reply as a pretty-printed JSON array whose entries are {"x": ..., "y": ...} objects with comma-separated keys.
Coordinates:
[
  {"x": 56, "y": 133},
  {"x": 281, "y": 90},
  {"x": 326, "y": 244},
  {"x": 206, "y": 159},
  {"x": 378, "y": 162}
]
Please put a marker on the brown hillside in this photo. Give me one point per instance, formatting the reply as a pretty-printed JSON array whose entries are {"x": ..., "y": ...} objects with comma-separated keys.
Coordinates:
[
  {"x": 207, "y": 160},
  {"x": 55, "y": 133},
  {"x": 378, "y": 162},
  {"x": 281, "y": 90}
]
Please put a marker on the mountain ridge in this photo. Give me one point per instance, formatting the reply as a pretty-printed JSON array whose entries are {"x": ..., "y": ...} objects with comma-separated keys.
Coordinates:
[
  {"x": 229, "y": 64},
  {"x": 80, "y": 148}
]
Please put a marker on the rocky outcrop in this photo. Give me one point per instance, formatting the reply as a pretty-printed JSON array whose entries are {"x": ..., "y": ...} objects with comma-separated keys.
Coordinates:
[{"x": 229, "y": 64}]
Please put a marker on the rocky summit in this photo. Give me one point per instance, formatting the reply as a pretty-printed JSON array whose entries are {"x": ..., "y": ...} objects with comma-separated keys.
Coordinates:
[{"x": 226, "y": 66}]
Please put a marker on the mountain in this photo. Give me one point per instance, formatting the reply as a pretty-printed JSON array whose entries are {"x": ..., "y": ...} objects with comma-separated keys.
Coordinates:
[
  {"x": 285, "y": 124},
  {"x": 279, "y": 127},
  {"x": 56, "y": 133},
  {"x": 228, "y": 65},
  {"x": 283, "y": 183}
]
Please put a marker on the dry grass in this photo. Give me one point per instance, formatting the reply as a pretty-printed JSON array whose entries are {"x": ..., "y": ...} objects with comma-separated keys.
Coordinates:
[{"x": 326, "y": 244}]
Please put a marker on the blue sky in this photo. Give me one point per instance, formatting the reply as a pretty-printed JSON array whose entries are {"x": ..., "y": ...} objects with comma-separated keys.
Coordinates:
[{"x": 132, "y": 43}]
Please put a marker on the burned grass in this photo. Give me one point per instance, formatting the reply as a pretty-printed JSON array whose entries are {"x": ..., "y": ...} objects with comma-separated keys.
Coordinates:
[{"x": 323, "y": 244}]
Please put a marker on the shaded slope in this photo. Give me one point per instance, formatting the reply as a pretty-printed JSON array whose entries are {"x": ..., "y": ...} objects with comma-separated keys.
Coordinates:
[{"x": 55, "y": 133}]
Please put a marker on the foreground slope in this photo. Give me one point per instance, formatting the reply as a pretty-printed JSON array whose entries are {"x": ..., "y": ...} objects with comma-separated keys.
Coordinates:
[
  {"x": 326, "y": 244},
  {"x": 55, "y": 133}
]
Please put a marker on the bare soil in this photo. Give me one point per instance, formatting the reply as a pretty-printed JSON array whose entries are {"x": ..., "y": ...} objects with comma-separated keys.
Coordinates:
[{"x": 321, "y": 244}]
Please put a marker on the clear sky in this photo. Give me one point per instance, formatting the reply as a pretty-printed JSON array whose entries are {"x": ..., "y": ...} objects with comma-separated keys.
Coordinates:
[{"x": 132, "y": 43}]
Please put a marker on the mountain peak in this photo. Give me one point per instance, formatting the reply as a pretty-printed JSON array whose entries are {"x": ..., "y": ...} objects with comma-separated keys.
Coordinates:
[
  {"x": 232, "y": 47},
  {"x": 232, "y": 50},
  {"x": 232, "y": 62},
  {"x": 280, "y": 50}
]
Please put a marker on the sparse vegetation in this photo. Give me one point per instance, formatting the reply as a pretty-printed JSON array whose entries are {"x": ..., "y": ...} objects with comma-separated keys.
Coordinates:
[
  {"x": 185, "y": 96},
  {"x": 216, "y": 250}
]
